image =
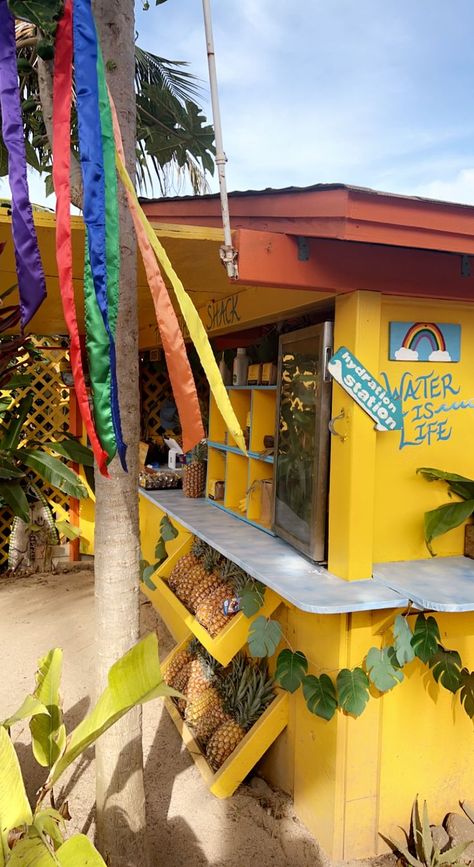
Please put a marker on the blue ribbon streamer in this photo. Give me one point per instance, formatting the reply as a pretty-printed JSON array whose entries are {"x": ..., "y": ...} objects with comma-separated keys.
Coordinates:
[{"x": 92, "y": 166}]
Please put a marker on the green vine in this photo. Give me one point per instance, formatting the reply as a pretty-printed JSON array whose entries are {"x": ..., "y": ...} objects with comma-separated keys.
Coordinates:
[{"x": 382, "y": 667}]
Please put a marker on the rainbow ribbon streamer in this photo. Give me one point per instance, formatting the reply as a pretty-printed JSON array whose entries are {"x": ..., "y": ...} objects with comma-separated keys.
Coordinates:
[
  {"x": 31, "y": 280},
  {"x": 100, "y": 208},
  {"x": 62, "y": 101}
]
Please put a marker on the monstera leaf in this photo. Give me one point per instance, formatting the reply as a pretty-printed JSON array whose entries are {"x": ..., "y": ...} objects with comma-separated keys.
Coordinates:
[
  {"x": 352, "y": 690},
  {"x": 320, "y": 695},
  {"x": 425, "y": 637},
  {"x": 382, "y": 667},
  {"x": 446, "y": 665},
  {"x": 402, "y": 640},
  {"x": 264, "y": 637},
  {"x": 291, "y": 669}
]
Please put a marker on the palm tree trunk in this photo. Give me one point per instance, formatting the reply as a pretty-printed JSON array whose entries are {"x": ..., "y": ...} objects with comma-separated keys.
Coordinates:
[{"x": 121, "y": 827}]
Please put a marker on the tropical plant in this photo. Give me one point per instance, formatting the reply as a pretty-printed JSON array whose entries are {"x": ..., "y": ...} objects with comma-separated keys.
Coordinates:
[
  {"x": 444, "y": 518},
  {"x": 36, "y": 835},
  {"x": 173, "y": 139},
  {"x": 420, "y": 849}
]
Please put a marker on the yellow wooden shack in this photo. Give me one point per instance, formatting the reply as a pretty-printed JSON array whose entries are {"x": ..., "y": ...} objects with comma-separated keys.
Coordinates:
[{"x": 395, "y": 278}]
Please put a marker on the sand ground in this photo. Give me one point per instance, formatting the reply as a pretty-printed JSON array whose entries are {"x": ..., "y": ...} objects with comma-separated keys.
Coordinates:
[{"x": 187, "y": 825}]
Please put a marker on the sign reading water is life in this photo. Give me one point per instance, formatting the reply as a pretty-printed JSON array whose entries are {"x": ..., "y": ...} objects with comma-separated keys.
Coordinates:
[{"x": 380, "y": 404}]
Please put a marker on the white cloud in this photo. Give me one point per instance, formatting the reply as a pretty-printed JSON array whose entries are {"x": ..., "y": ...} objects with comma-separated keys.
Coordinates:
[
  {"x": 456, "y": 188},
  {"x": 439, "y": 355},
  {"x": 405, "y": 354}
]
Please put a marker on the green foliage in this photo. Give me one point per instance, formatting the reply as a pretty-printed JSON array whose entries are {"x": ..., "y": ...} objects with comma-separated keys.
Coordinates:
[
  {"x": 320, "y": 695},
  {"x": 382, "y": 667},
  {"x": 352, "y": 690},
  {"x": 168, "y": 531},
  {"x": 467, "y": 691},
  {"x": 447, "y": 517},
  {"x": 134, "y": 679},
  {"x": 251, "y": 597},
  {"x": 264, "y": 637},
  {"x": 37, "y": 836},
  {"x": 402, "y": 641},
  {"x": 446, "y": 666},
  {"x": 425, "y": 637},
  {"x": 421, "y": 850},
  {"x": 48, "y": 734},
  {"x": 173, "y": 137},
  {"x": 291, "y": 669}
]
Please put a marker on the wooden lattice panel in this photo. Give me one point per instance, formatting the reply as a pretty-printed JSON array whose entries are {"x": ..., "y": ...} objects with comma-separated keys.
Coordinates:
[
  {"x": 48, "y": 419},
  {"x": 155, "y": 388}
]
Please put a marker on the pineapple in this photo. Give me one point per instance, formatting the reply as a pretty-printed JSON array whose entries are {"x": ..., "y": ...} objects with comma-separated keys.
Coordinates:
[
  {"x": 210, "y": 611},
  {"x": 201, "y": 673},
  {"x": 180, "y": 659},
  {"x": 188, "y": 581},
  {"x": 209, "y": 582},
  {"x": 206, "y": 714},
  {"x": 248, "y": 695},
  {"x": 194, "y": 480},
  {"x": 186, "y": 563}
]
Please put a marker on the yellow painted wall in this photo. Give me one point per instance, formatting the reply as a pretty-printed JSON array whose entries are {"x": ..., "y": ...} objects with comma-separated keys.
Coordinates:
[
  {"x": 354, "y": 779},
  {"x": 401, "y": 496},
  {"x": 377, "y": 501}
]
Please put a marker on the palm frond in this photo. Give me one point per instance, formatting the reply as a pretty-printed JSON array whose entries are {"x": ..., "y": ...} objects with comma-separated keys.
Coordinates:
[{"x": 168, "y": 75}]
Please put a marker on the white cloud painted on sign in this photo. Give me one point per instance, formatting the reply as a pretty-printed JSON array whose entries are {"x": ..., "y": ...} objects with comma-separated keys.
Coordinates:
[
  {"x": 405, "y": 354},
  {"x": 439, "y": 355}
]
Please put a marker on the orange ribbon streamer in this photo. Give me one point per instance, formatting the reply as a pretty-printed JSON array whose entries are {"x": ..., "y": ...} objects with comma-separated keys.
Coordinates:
[{"x": 179, "y": 369}]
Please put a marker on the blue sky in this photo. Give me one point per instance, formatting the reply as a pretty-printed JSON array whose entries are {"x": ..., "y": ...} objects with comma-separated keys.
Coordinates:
[{"x": 353, "y": 91}]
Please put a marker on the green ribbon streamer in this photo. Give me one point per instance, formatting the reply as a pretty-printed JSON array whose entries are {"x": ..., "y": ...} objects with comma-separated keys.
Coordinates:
[
  {"x": 97, "y": 339},
  {"x": 112, "y": 224},
  {"x": 99, "y": 361}
]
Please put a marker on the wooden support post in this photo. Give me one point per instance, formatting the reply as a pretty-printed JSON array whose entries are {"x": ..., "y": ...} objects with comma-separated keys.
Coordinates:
[{"x": 352, "y": 475}]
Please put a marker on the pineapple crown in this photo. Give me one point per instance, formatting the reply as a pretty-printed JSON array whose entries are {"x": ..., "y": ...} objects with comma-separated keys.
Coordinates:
[
  {"x": 199, "y": 453},
  {"x": 210, "y": 665},
  {"x": 246, "y": 690}
]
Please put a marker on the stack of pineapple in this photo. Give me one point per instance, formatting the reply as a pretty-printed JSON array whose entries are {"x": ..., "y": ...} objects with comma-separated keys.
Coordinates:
[
  {"x": 203, "y": 580},
  {"x": 221, "y": 703}
]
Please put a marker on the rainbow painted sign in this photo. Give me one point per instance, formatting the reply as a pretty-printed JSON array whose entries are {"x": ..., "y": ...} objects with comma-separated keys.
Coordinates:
[{"x": 424, "y": 341}]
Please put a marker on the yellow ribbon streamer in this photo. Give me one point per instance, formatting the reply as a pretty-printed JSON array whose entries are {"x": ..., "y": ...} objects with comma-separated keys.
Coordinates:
[{"x": 193, "y": 321}]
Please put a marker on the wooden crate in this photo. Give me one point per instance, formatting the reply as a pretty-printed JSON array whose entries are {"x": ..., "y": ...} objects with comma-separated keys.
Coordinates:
[{"x": 249, "y": 751}]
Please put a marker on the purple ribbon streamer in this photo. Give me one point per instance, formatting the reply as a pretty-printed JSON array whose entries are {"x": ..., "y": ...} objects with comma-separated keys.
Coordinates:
[{"x": 29, "y": 269}]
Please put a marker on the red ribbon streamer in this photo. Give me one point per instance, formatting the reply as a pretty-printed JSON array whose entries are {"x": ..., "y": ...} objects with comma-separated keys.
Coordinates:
[{"x": 62, "y": 98}]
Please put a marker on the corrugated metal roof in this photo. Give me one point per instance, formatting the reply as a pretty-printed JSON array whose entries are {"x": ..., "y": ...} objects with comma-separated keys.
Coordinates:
[{"x": 313, "y": 188}]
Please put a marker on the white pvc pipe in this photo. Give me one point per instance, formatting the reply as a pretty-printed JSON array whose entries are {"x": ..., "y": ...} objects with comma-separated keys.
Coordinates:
[{"x": 228, "y": 254}]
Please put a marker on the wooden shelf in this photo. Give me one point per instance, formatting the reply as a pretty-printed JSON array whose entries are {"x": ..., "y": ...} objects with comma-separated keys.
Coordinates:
[
  {"x": 242, "y": 474},
  {"x": 248, "y": 752},
  {"x": 231, "y": 639}
]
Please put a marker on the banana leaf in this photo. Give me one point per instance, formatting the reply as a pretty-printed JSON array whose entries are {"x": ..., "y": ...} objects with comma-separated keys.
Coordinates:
[
  {"x": 446, "y": 518},
  {"x": 134, "y": 679},
  {"x": 14, "y": 497},
  {"x": 79, "y": 851},
  {"x": 30, "y": 707},
  {"x": 12, "y": 433},
  {"x": 73, "y": 450},
  {"x": 31, "y": 852},
  {"x": 53, "y": 470},
  {"x": 14, "y": 807},
  {"x": 48, "y": 734}
]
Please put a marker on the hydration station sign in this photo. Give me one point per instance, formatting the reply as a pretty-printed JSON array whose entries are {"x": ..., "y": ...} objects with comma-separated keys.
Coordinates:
[{"x": 381, "y": 405}]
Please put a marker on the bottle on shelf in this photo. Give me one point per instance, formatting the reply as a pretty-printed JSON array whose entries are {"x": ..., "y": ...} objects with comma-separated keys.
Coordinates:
[
  {"x": 224, "y": 371},
  {"x": 240, "y": 368}
]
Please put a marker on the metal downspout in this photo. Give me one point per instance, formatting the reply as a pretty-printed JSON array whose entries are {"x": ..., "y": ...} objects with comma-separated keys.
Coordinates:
[{"x": 227, "y": 252}]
